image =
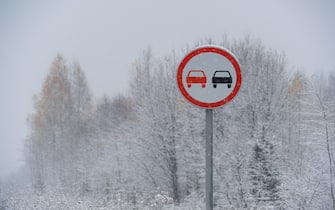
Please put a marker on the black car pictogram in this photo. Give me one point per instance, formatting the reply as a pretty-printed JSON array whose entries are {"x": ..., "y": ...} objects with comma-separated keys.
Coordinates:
[{"x": 222, "y": 77}]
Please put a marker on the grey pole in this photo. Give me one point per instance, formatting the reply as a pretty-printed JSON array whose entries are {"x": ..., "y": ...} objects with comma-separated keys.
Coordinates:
[{"x": 209, "y": 159}]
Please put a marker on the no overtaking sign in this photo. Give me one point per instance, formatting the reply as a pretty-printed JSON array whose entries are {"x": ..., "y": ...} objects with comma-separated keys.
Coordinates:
[{"x": 209, "y": 76}]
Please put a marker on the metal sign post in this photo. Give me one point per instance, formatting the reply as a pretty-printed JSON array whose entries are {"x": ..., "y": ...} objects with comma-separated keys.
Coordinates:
[
  {"x": 209, "y": 159},
  {"x": 209, "y": 77}
]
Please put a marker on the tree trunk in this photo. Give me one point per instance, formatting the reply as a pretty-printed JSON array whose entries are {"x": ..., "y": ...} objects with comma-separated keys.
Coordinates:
[{"x": 329, "y": 152}]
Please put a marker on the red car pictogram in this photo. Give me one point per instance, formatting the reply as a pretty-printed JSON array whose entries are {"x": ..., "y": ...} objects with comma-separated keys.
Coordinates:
[{"x": 196, "y": 77}]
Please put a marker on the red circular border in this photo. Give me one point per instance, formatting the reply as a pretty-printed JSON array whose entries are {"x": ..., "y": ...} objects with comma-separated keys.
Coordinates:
[{"x": 212, "y": 49}]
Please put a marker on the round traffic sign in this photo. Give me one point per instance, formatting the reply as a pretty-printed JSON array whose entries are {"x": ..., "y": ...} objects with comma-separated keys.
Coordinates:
[{"x": 209, "y": 76}]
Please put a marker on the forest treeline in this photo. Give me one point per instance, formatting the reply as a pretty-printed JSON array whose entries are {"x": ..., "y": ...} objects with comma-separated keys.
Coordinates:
[{"x": 274, "y": 144}]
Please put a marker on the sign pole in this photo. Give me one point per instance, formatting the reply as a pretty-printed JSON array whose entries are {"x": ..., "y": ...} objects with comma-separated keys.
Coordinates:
[{"x": 209, "y": 159}]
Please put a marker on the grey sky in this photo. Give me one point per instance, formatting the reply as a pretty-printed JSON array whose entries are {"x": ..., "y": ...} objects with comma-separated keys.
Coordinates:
[{"x": 106, "y": 36}]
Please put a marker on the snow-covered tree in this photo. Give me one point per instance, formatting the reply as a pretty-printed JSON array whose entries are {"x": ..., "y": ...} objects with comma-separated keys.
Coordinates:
[
  {"x": 60, "y": 126},
  {"x": 154, "y": 98},
  {"x": 305, "y": 159},
  {"x": 50, "y": 125},
  {"x": 321, "y": 92},
  {"x": 264, "y": 176}
]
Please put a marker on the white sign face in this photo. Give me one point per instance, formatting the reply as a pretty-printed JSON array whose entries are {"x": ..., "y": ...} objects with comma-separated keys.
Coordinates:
[{"x": 209, "y": 76}]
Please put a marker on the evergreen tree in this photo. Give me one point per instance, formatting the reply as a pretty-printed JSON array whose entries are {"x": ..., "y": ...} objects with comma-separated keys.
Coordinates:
[{"x": 264, "y": 176}]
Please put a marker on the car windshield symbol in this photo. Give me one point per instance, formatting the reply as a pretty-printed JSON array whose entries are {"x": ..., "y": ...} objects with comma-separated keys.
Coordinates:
[
  {"x": 196, "y": 77},
  {"x": 222, "y": 77}
]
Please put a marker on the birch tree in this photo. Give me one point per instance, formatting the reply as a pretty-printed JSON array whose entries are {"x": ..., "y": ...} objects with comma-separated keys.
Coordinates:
[
  {"x": 305, "y": 161},
  {"x": 59, "y": 125},
  {"x": 154, "y": 96},
  {"x": 329, "y": 127},
  {"x": 50, "y": 123}
]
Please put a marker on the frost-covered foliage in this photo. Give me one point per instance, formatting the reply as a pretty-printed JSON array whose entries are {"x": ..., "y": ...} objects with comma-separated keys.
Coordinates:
[
  {"x": 273, "y": 144},
  {"x": 30, "y": 198}
]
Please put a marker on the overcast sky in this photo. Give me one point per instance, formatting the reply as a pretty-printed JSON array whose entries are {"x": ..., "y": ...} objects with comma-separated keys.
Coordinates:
[{"x": 105, "y": 37}]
